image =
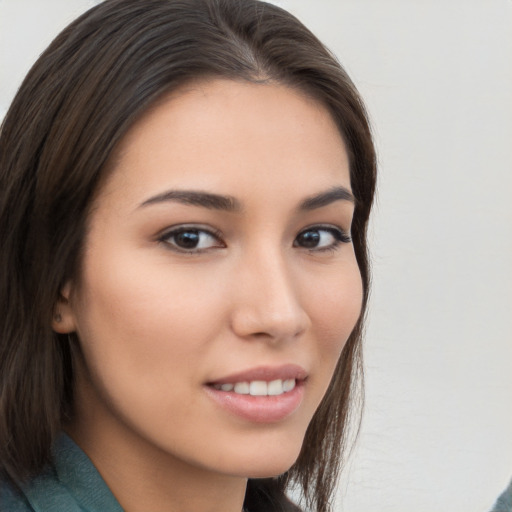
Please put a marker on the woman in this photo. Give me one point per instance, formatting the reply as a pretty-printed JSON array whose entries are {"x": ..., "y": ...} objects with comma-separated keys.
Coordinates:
[{"x": 185, "y": 190}]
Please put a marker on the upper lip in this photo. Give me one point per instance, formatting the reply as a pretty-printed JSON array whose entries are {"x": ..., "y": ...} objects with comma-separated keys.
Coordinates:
[{"x": 265, "y": 373}]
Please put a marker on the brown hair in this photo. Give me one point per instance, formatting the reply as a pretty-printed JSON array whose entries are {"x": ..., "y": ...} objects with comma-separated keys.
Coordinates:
[{"x": 79, "y": 99}]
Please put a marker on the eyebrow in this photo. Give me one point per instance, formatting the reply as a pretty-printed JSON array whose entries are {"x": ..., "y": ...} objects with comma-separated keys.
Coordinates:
[
  {"x": 231, "y": 204},
  {"x": 197, "y": 198},
  {"x": 325, "y": 198}
]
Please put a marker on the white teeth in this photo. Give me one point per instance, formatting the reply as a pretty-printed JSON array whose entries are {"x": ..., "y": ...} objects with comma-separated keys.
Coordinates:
[
  {"x": 242, "y": 388},
  {"x": 259, "y": 387},
  {"x": 275, "y": 387},
  {"x": 288, "y": 385}
]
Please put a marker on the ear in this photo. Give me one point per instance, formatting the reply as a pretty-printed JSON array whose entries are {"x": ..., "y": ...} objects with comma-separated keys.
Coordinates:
[{"x": 63, "y": 320}]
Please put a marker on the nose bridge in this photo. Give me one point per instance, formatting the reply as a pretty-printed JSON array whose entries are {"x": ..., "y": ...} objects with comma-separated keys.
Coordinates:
[{"x": 268, "y": 302}]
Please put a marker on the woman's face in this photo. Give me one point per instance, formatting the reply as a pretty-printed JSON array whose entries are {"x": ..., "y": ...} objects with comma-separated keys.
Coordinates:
[{"x": 218, "y": 284}]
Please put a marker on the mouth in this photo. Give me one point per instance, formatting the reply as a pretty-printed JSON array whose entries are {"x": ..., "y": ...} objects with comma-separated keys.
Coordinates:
[
  {"x": 258, "y": 387},
  {"x": 262, "y": 394}
]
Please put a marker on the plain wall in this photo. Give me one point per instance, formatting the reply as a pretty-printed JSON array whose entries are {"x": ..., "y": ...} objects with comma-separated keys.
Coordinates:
[{"x": 437, "y": 78}]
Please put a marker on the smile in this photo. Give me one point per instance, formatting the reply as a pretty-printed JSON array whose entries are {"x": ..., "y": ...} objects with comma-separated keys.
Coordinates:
[
  {"x": 262, "y": 394},
  {"x": 258, "y": 387}
]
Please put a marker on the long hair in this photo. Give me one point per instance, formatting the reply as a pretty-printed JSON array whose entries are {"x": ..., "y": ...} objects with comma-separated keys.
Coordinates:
[{"x": 74, "y": 107}]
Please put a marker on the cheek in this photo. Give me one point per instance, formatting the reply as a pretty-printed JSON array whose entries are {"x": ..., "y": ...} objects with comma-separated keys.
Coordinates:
[
  {"x": 135, "y": 319},
  {"x": 335, "y": 308},
  {"x": 143, "y": 345}
]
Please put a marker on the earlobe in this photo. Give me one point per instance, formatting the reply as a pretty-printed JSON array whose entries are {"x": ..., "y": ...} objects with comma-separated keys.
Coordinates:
[{"x": 63, "y": 320}]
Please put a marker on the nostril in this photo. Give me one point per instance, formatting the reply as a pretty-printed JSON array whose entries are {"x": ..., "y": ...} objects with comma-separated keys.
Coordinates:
[{"x": 261, "y": 334}]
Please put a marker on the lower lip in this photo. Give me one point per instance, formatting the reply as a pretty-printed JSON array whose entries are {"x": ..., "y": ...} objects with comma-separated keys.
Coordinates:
[{"x": 259, "y": 409}]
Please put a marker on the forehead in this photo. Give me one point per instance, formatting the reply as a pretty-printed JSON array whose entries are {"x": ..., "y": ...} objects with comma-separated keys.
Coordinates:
[{"x": 233, "y": 135}]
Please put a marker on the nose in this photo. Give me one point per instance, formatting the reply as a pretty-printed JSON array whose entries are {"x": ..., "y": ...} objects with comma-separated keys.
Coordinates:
[{"x": 267, "y": 302}]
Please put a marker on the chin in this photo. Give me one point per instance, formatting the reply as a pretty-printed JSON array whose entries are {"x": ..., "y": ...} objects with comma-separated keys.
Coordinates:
[{"x": 268, "y": 459}]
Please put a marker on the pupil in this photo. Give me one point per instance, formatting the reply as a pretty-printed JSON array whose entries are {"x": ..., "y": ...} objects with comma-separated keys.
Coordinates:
[
  {"x": 310, "y": 239},
  {"x": 187, "y": 239}
]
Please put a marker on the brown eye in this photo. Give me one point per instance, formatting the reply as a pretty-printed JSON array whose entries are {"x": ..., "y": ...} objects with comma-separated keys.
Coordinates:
[
  {"x": 308, "y": 239},
  {"x": 321, "y": 238},
  {"x": 189, "y": 239}
]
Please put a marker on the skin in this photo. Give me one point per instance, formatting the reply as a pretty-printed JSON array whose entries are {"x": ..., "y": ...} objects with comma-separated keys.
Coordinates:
[{"x": 157, "y": 323}]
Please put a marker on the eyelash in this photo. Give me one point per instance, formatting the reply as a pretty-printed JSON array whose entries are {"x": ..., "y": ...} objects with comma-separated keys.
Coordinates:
[
  {"x": 339, "y": 235},
  {"x": 165, "y": 238}
]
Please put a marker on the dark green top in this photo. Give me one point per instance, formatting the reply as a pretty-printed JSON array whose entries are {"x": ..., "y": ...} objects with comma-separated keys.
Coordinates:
[
  {"x": 504, "y": 502},
  {"x": 72, "y": 484}
]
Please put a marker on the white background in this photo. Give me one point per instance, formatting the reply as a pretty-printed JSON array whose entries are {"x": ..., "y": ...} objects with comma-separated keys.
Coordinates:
[{"x": 437, "y": 78}]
